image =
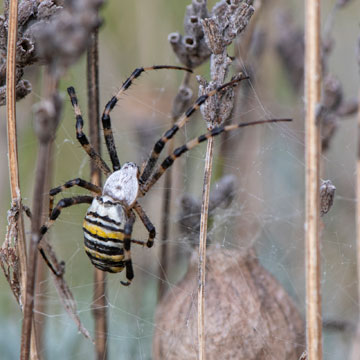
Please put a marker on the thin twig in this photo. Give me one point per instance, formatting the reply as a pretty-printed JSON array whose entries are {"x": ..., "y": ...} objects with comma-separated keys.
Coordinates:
[
  {"x": 202, "y": 247},
  {"x": 356, "y": 340},
  {"x": 99, "y": 296},
  {"x": 312, "y": 239}
]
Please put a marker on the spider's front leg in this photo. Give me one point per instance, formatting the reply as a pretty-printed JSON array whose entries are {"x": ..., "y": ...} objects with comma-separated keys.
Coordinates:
[
  {"x": 75, "y": 182},
  {"x": 106, "y": 121},
  {"x": 83, "y": 140},
  {"x": 127, "y": 249}
]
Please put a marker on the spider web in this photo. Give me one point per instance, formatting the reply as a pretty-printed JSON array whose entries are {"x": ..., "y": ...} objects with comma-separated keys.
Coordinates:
[{"x": 267, "y": 211}]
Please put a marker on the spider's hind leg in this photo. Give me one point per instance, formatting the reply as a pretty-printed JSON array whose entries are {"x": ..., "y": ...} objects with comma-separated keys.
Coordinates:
[
  {"x": 127, "y": 249},
  {"x": 147, "y": 223}
]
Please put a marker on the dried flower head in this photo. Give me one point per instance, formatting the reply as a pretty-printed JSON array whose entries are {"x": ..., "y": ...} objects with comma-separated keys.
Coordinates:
[
  {"x": 54, "y": 32},
  {"x": 218, "y": 108},
  {"x": 191, "y": 49},
  {"x": 229, "y": 18}
]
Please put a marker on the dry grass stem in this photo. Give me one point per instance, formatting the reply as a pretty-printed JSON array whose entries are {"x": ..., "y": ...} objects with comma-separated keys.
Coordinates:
[
  {"x": 19, "y": 240},
  {"x": 312, "y": 239},
  {"x": 202, "y": 247},
  {"x": 99, "y": 296},
  {"x": 47, "y": 118},
  {"x": 356, "y": 341}
]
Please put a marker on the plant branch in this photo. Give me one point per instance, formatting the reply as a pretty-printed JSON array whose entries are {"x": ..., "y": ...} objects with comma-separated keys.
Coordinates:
[
  {"x": 47, "y": 117},
  {"x": 356, "y": 338},
  {"x": 99, "y": 296},
  {"x": 312, "y": 239},
  {"x": 202, "y": 247},
  {"x": 20, "y": 245}
]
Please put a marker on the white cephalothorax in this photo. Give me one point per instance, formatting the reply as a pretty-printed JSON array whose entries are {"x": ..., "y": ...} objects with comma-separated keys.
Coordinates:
[{"x": 123, "y": 185}]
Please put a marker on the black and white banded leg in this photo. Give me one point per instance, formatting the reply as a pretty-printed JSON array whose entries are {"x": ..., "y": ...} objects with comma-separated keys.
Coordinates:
[
  {"x": 106, "y": 121},
  {"x": 75, "y": 182},
  {"x": 63, "y": 203},
  {"x": 83, "y": 140},
  {"x": 149, "y": 165},
  {"x": 127, "y": 249},
  {"x": 191, "y": 144},
  {"x": 147, "y": 223}
]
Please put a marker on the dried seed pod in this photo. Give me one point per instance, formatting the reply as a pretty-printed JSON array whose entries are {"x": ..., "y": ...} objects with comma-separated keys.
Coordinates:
[
  {"x": 191, "y": 49},
  {"x": 327, "y": 194},
  {"x": 248, "y": 315}
]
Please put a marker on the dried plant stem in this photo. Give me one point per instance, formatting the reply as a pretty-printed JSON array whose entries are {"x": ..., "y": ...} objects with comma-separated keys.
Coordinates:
[
  {"x": 42, "y": 274},
  {"x": 99, "y": 304},
  {"x": 312, "y": 238},
  {"x": 11, "y": 100},
  {"x": 13, "y": 157},
  {"x": 45, "y": 128},
  {"x": 39, "y": 189},
  {"x": 358, "y": 200},
  {"x": 202, "y": 248},
  {"x": 356, "y": 339},
  {"x": 12, "y": 138}
]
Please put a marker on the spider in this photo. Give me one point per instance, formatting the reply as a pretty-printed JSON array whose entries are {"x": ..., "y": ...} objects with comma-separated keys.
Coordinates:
[{"x": 109, "y": 220}]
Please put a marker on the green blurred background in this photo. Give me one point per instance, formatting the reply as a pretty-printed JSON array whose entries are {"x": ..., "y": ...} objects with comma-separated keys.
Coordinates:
[{"x": 269, "y": 165}]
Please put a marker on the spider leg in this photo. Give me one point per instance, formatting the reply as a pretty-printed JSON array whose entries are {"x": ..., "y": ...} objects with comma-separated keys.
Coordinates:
[
  {"x": 127, "y": 249},
  {"x": 63, "y": 203},
  {"x": 149, "y": 165},
  {"x": 100, "y": 163},
  {"x": 147, "y": 223},
  {"x": 191, "y": 144},
  {"x": 75, "y": 182},
  {"x": 27, "y": 211},
  {"x": 106, "y": 121}
]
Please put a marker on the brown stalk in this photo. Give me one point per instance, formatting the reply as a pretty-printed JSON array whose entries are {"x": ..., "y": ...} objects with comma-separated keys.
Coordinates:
[
  {"x": 99, "y": 297},
  {"x": 202, "y": 247},
  {"x": 13, "y": 158},
  {"x": 45, "y": 129},
  {"x": 312, "y": 131},
  {"x": 356, "y": 340},
  {"x": 12, "y": 138}
]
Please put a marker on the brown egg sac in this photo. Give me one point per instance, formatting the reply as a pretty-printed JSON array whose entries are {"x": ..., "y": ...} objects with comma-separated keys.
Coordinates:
[{"x": 248, "y": 315}]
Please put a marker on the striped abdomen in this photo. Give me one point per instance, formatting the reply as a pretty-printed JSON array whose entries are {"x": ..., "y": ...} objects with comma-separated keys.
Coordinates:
[{"x": 104, "y": 234}]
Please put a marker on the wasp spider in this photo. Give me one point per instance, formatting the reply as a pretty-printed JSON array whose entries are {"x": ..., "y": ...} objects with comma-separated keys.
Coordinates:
[{"x": 109, "y": 220}]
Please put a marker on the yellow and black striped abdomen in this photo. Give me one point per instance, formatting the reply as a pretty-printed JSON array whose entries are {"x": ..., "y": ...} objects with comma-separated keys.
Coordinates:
[{"x": 104, "y": 235}]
